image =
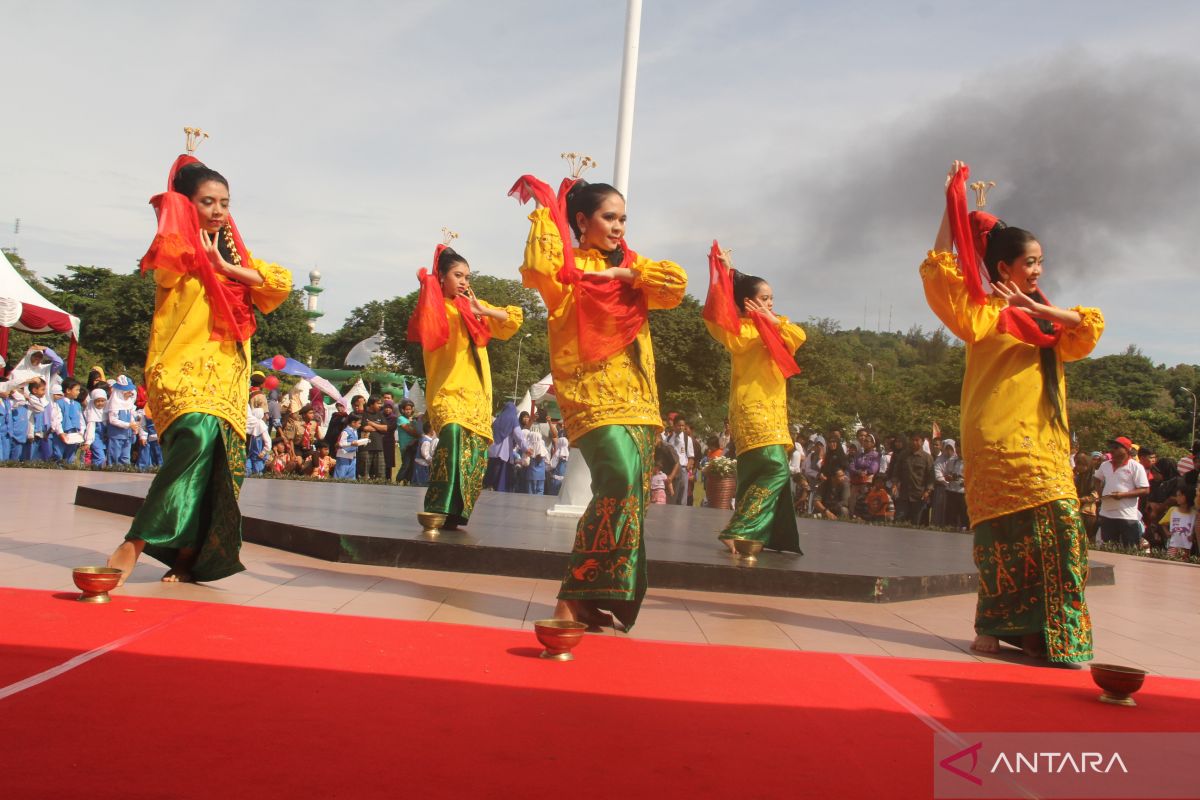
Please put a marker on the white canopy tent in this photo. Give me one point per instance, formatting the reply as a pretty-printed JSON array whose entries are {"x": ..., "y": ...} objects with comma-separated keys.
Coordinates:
[{"x": 22, "y": 308}]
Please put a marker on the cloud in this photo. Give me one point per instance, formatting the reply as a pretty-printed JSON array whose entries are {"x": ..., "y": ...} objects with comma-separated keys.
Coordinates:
[{"x": 1099, "y": 158}]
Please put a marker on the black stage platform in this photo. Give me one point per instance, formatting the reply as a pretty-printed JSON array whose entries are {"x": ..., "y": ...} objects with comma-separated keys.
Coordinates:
[{"x": 510, "y": 534}]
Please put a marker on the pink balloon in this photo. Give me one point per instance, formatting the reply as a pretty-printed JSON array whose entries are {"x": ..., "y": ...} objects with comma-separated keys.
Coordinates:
[
  {"x": 271, "y": 383},
  {"x": 279, "y": 362}
]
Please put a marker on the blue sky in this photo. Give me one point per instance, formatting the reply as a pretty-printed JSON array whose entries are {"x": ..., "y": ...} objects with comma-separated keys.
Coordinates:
[{"x": 810, "y": 137}]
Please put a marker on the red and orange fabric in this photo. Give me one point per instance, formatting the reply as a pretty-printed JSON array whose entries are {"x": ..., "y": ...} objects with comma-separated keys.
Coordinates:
[
  {"x": 971, "y": 232},
  {"x": 610, "y": 312},
  {"x": 429, "y": 324},
  {"x": 177, "y": 248},
  {"x": 720, "y": 309}
]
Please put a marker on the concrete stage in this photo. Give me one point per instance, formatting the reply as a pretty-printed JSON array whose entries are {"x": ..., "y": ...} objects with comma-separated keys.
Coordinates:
[{"x": 510, "y": 534}]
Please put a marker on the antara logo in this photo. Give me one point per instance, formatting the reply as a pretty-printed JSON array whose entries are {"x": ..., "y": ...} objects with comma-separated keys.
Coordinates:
[
  {"x": 1041, "y": 762},
  {"x": 1058, "y": 762}
]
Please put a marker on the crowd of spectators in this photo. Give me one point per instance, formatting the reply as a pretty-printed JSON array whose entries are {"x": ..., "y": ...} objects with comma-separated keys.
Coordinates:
[{"x": 1128, "y": 496}]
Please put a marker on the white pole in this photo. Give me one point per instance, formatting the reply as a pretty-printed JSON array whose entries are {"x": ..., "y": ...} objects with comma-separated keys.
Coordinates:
[{"x": 633, "y": 34}]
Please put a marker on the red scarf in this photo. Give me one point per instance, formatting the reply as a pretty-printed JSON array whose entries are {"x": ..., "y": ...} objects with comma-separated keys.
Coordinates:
[
  {"x": 720, "y": 309},
  {"x": 176, "y": 247},
  {"x": 429, "y": 324},
  {"x": 971, "y": 232},
  {"x": 610, "y": 313}
]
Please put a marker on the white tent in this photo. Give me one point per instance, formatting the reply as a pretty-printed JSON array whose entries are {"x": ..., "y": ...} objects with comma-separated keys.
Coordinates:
[
  {"x": 536, "y": 393},
  {"x": 417, "y": 395},
  {"x": 23, "y": 309},
  {"x": 366, "y": 351},
  {"x": 359, "y": 389}
]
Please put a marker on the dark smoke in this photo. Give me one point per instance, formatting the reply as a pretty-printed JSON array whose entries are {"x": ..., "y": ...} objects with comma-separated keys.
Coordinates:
[{"x": 1100, "y": 160}]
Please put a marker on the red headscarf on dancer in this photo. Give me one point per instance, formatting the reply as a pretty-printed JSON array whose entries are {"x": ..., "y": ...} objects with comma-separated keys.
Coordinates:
[
  {"x": 972, "y": 232},
  {"x": 177, "y": 248},
  {"x": 609, "y": 312},
  {"x": 721, "y": 309},
  {"x": 429, "y": 325}
]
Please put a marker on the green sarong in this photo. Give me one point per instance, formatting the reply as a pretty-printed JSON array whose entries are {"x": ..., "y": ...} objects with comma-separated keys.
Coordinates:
[
  {"x": 1032, "y": 571},
  {"x": 193, "y": 500},
  {"x": 607, "y": 566},
  {"x": 764, "y": 510},
  {"x": 456, "y": 473}
]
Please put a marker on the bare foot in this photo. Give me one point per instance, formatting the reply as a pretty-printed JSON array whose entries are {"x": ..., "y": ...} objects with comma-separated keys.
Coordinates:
[
  {"x": 125, "y": 558},
  {"x": 1034, "y": 645},
  {"x": 578, "y": 611},
  {"x": 182, "y": 571},
  {"x": 985, "y": 644},
  {"x": 565, "y": 610}
]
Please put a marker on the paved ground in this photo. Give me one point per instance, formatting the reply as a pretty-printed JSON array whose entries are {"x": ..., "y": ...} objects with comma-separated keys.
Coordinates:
[{"x": 1148, "y": 619}]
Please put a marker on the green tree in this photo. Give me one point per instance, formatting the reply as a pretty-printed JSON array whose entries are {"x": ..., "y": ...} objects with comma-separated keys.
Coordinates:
[{"x": 691, "y": 368}]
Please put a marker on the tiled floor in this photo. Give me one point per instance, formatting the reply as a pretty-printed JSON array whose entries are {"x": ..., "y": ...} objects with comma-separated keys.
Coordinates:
[{"x": 1148, "y": 619}]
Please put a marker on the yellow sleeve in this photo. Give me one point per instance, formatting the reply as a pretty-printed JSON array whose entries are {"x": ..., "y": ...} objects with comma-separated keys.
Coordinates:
[
  {"x": 1078, "y": 342},
  {"x": 276, "y": 286},
  {"x": 732, "y": 342},
  {"x": 505, "y": 328},
  {"x": 663, "y": 282},
  {"x": 1166, "y": 518},
  {"x": 793, "y": 335},
  {"x": 946, "y": 293},
  {"x": 167, "y": 278},
  {"x": 543, "y": 259}
]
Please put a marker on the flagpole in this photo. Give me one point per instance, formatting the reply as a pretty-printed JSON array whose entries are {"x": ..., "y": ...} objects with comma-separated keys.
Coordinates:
[{"x": 633, "y": 35}]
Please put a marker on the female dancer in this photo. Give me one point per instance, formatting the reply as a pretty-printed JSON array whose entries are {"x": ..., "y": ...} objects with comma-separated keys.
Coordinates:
[
  {"x": 739, "y": 313},
  {"x": 198, "y": 376},
  {"x": 454, "y": 327},
  {"x": 1030, "y": 544},
  {"x": 601, "y": 358}
]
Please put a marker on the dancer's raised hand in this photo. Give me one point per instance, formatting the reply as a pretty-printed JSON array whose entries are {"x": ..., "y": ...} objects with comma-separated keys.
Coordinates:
[
  {"x": 1015, "y": 297},
  {"x": 761, "y": 308},
  {"x": 954, "y": 168}
]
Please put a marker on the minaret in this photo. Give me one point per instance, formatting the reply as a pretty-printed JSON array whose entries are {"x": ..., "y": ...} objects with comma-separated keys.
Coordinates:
[{"x": 312, "y": 291}]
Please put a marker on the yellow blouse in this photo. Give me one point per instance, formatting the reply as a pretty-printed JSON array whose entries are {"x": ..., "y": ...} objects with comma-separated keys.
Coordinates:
[
  {"x": 758, "y": 413},
  {"x": 188, "y": 371},
  {"x": 1013, "y": 457},
  {"x": 609, "y": 392},
  {"x": 458, "y": 391}
]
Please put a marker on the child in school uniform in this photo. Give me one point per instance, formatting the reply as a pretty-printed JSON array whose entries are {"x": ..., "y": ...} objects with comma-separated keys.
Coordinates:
[
  {"x": 19, "y": 427},
  {"x": 37, "y": 446},
  {"x": 122, "y": 427},
  {"x": 280, "y": 461},
  {"x": 95, "y": 432},
  {"x": 347, "y": 452},
  {"x": 535, "y": 473},
  {"x": 5, "y": 423},
  {"x": 258, "y": 440},
  {"x": 151, "y": 453},
  {"x": 320, "y": 465},
  {"x": 424, "y": 456},
  {"x": 66, "y": 422}
]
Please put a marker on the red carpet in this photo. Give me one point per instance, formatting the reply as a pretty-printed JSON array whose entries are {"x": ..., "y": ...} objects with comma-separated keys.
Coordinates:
[{"x": 234, "y": 702}]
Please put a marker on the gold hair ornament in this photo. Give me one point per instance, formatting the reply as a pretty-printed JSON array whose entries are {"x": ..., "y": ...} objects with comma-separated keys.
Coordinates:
[
  {"x": 981, "y": 188},
  {"x": 448, "y": 236},
  {"x": 579, "y": 163},
  {"x": 194, "y": 137}
]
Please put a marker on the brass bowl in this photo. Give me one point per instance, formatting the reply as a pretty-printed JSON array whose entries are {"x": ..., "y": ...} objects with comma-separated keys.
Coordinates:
[
  {"x": 431, "y": 523},
  {"x": 1118, "y": 683},
  {"x": 747, "y": 550},
  {"x": 95, "y": 583},
  {"x": 559, "y": 637}
]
